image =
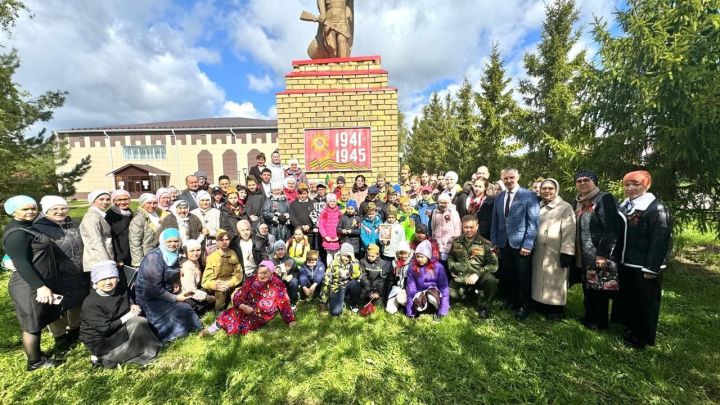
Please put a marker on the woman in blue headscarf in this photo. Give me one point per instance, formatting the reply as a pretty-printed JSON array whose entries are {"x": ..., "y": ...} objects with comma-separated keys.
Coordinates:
[
  {"x": 158, "y": 291},
  {"x": 34, "y": 281}
]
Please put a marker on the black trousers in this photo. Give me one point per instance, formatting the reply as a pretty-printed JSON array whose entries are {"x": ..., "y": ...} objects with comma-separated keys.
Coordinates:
[
  {"x": 516, "y": 277},
  {"x": 638, "y": 304},
  {"x": 597, "y": 305}
]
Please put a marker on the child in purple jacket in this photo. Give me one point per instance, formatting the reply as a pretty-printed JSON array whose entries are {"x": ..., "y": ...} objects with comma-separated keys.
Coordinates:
[{"x": 427, "y": 287}]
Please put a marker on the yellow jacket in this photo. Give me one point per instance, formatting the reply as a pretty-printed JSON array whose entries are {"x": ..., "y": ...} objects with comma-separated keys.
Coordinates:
[{"x": 222, "y": 266}]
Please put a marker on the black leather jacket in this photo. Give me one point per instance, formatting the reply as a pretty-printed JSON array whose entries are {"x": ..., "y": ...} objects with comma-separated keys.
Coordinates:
[{"x": 646, "y": 240}]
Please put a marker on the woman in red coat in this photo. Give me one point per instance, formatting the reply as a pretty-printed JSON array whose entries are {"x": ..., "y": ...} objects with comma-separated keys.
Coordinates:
[{"x": 261, "y": 296}]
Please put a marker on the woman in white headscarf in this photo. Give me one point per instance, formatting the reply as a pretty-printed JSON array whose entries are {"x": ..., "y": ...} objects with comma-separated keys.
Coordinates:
[
  {"x": 189, "y": 225},
  {"x": 554, "y": 251},
  {"x": 144, "y": 228},
  {"x": 164, "y": 199},
  {"x": 34, "y": 281},
  {"x": 209, "y": 217}
]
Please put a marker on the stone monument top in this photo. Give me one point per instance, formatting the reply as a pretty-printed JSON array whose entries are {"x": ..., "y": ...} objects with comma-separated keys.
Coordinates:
[{"x": 336, "y": 26}]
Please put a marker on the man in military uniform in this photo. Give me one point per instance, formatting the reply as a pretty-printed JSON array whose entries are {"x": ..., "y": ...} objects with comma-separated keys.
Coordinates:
[{"x": 472, "y": 263}]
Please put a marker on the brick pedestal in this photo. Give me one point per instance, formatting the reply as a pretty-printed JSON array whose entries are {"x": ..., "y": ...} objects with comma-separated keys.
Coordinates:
[{"x": 340, "y": 93}]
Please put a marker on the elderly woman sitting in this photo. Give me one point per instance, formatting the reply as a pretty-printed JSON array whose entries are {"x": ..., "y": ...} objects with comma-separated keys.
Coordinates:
[
  {"x": 111, "y": 327},
  {"x": 157, "y": 288},
  {"x": 255, "y": 304}
]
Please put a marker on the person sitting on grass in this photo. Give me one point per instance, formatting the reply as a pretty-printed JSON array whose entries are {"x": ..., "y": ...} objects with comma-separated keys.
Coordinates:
[
  {"x": 255, "y": 304},
  {"x": 312, "y": 273},
  {"x": 157, "y": 290},
  {"x": 472, "y": 264},
  {"x": 112, "y": 328},
  {"x": 223, "y": 271},
  {"x": 298, "y": 247},
  {"x": 397, "y": 278},
  {"x": 427, "y": 286},
  {"x": 191, "y": 276},
  {"x": 375, "y": 272},
  {"x": 286, "y": 269},
  {"x": 342, "y": 278}
]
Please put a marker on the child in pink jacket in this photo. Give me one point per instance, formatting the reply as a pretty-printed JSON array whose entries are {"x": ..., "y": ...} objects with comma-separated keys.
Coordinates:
[
  {"x": 328, "y": 221},
  {"x": 445, "y": 225}
]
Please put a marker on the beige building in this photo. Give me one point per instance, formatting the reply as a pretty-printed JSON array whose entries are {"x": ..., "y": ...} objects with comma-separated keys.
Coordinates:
[{"x": 144, "y": 157}]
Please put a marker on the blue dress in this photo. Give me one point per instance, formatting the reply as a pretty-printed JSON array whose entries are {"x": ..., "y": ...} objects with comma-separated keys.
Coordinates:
[{"x": 153, "y": 292}]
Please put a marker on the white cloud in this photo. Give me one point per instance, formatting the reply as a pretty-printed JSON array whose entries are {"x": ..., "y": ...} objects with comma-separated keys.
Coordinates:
[
  {"x": 260, "y": 84},
  {"x": 246, "y": 109},
  {"x": 120, "y": 64}
]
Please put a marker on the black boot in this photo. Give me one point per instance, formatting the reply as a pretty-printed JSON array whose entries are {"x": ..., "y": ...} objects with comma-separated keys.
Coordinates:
[{"x": 44, "y": 362}]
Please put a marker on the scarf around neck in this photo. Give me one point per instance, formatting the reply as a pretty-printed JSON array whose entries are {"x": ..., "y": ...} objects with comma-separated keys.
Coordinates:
[{"x": 120, "y": 211}]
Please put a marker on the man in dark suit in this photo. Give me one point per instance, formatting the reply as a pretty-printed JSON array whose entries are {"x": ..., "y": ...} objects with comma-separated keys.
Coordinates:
[
  {"x": 190, "y": 194},
  {"x": 515, "y": 220}
]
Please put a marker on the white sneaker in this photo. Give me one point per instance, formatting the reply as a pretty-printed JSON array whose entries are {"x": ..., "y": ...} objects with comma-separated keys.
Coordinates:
[
  {"x": 293, "y": 307},
  {"x": 355, "y": 310}
]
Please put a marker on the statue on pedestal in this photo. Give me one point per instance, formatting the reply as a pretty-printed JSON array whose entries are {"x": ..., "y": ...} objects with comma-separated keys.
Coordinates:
[{"x": 334, "y": 37}]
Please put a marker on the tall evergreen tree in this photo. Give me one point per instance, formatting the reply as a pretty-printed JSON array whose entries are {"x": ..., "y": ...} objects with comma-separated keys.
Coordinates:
[
  {"x": 551, "y": 128},
  {"x": 654, "y": 98},
  {"x": 498, "y": 117},
  {"x": 465, "y": 124},
  {"x": 428, "y": 145}
]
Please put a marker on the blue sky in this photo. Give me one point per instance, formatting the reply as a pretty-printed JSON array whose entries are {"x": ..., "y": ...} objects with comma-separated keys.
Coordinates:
[{"x": 138, "y": 61}]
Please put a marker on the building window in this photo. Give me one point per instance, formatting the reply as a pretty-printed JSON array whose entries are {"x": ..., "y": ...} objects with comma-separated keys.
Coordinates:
[{"x": 149, "y": 152}]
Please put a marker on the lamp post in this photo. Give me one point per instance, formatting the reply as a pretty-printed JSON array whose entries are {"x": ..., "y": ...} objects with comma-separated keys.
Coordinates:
[{"x": 245, "y": 173}]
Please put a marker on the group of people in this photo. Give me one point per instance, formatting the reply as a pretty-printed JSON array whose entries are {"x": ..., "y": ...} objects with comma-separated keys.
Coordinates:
[{"x": 124, "y": 283}]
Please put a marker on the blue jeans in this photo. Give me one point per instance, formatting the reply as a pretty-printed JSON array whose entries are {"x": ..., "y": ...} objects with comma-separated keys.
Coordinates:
[
  {"x": 337, "y": 300},
  {"x": 292, "y": 289}
]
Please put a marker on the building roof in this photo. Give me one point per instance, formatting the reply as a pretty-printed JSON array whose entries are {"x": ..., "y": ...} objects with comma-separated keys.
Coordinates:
[
  {"x": 151, "y": 170},
  {"x": 201, "y": 123}
]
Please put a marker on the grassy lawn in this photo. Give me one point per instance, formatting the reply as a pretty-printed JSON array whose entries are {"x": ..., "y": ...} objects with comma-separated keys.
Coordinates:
[{"x": 390, "y": 359}]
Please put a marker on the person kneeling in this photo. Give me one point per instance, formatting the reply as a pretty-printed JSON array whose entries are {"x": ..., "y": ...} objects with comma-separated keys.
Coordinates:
[
  {"x": 312, "y": 274},
  {"x": 472, "y": 264},
  {"x": 255, "y": 304},
  {"x": 427, "y": 286},
  {"x": 397, "y": 298},
  {"x": 342, "y": 276},
  {"x": 111, "y": 327},
  {"x": 223, "y": 271}
]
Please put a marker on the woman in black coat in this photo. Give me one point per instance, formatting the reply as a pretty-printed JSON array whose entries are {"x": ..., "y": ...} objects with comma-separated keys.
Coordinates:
[
  {"x": 642, "y": 253},
  {"x": 33, "y": 284},
  {"x": 255, "y": 202},
  {"x": 481, "y": 205},
  {"x": 73, "y": 283},
  {"x": 598, "y": 227},
  {"x": 119, "y": 216}
]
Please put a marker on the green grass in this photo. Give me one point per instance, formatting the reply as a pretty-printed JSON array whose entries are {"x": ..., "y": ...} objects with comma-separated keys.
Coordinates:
[{"x": 391, "y": 359}]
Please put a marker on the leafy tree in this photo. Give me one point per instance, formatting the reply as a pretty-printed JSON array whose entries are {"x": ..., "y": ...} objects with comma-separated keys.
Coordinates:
[
  {"x": 551, "y": 127},
  {"x": 654, "y": 96},
  {"x": 29, "y": 162}
]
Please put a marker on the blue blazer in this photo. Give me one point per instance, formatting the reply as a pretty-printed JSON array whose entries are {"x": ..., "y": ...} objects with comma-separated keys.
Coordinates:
[{"x": 520, "y": 228}]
